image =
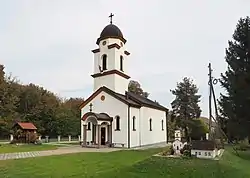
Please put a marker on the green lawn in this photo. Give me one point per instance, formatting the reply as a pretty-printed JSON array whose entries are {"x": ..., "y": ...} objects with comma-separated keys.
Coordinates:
[
  {"x": 124, "y": 164},
  {"x": 11, "y": 148}
]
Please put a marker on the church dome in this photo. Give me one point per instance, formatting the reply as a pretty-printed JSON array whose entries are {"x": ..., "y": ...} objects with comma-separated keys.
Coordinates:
[{"x": 111, "y": 31}]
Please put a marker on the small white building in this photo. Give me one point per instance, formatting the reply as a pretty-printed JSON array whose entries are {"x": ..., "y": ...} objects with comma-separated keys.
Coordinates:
[
  {"x": 204, "y": 149},
  {"x": 178, "y": 143},
  {"x": 112, "y": 115}
]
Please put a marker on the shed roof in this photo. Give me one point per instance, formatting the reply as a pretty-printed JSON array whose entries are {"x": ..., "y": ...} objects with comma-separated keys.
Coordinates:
[{"x": 27, "y": 125}]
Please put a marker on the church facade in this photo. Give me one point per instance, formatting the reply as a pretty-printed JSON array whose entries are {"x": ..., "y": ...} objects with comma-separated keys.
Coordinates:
[{"x": 113, "y": 116}]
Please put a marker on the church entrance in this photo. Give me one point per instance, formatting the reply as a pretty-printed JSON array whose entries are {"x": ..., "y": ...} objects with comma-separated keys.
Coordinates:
[
  {"x": 103, "y": 135},
  {"x": 100, "y": 132}
]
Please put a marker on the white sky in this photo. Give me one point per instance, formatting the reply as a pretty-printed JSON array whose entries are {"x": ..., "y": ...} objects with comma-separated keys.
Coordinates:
[{"x": 49, "y": 42}]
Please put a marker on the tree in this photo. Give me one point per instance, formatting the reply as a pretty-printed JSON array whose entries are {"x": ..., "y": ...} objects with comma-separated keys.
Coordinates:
[
  {"x": 171, "y": 125},
  {"x": 185, "y": 105},
  {"x": 135, "y": 87},
  {"x": 8, "y": 101},
  {"x": 31, "y": 103},
  {"x": 72, "y": 104},
  {"x": 235, "y": 103},
  {"x": 198, "y": 129}
]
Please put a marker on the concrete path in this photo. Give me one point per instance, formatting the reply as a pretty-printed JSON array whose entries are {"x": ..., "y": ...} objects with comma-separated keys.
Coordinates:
[
  {"x": 157, "y": 145},
  {"x": 59, "y": 151}
]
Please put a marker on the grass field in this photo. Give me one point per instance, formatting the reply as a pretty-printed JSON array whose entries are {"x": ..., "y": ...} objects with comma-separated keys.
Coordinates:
[
  {"x": 11, "y": 148},
  {"x": 123, "y": 164}
]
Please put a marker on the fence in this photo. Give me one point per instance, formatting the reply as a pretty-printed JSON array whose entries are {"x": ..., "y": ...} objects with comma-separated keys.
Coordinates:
[
  {"x": 58, "y": 139},
  {"x": 4, "y": 139},
  {"x": 47, "y": 139}
]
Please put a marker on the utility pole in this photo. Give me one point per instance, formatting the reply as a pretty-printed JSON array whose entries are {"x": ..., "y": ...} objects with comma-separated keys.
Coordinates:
[
  {"x": 210, "y": 98},
  {"x": 213, "y": 81}
]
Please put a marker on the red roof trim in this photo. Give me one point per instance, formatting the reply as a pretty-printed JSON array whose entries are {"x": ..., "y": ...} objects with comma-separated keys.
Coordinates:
[{"x": 27, "y": 125}]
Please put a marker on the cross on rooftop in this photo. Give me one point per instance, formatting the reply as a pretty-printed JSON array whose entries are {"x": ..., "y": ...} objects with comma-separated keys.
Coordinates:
[{"x": 111, "y": 16}]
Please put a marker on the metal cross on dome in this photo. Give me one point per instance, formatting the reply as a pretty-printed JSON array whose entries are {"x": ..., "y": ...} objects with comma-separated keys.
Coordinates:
[
  {"x": 90, "y": 107},
  {"x": 111, "y": 16}
]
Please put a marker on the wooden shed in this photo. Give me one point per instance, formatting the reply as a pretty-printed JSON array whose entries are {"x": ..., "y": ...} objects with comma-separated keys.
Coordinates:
[{"x": 24, "y": 132}]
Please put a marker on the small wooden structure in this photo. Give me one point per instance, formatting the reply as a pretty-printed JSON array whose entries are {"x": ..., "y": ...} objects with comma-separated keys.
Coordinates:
[{"x": 24, "y": 132}]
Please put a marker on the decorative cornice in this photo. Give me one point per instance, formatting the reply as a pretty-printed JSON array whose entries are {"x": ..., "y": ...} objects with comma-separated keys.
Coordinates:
[
  {"x": 96, "y": 50},
  {"x": 127, "y": 53},
  {"x": 111, "y": 72},
  {"x": 115, "y": 45}
]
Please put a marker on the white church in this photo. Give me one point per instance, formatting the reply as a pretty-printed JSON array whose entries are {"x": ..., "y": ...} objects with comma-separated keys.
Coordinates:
[{"x": 112, "y": 116}]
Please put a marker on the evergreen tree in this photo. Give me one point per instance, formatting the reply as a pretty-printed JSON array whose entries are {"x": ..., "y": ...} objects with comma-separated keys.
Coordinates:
[
  {"x": 235, "y": 103},
  {"x": 185, "y": 105}
]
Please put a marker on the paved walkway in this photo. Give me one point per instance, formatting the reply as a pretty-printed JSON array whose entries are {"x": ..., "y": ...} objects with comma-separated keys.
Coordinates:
[
  {"x": 157, "y": 145},
  {"x": 67, "y": 150},
  {"x": 59, "y": 151}
]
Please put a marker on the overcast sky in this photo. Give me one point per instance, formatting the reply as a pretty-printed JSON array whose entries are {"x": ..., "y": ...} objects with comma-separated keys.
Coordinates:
[{"x": 49, "y": 42}]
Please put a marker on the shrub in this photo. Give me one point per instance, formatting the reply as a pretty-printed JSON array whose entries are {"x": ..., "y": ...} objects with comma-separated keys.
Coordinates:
[
  {"x": 164, "y": 153},
  {"x": 168, "y": 151},
  {"x": 187, "y": 153},
  {"x": 242, "y": 147},
  {"x": 186, "y": 147},
  {"x": 171, "y": 150}
]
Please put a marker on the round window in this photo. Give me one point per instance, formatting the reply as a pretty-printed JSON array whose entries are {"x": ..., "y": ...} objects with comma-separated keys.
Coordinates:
[{"x": 102, "y": 97}]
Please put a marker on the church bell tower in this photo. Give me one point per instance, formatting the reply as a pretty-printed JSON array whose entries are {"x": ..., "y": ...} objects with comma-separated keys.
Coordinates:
[{"x": 110, "y": 60}]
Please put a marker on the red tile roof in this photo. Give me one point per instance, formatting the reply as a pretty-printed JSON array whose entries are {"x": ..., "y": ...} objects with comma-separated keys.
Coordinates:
[{"x": 27, "y": 125}]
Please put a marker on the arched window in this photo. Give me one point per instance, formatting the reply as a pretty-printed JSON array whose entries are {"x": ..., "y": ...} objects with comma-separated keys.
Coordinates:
[
  {"x": 150, "y": 124},
  {"x": 162, "y": 126},
  {"x": 134, "y": 123},
  {"x": 104, "y": 62},
  {"x": 89, "y": 126},
  {"x": 117, "y": 121},
  {"x": 121, "y": 63}
]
